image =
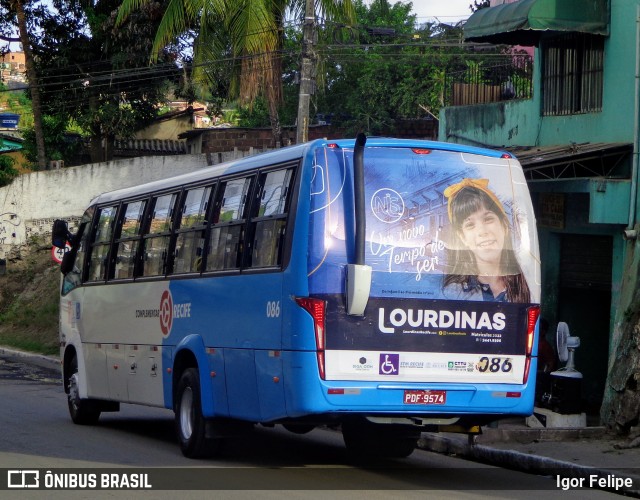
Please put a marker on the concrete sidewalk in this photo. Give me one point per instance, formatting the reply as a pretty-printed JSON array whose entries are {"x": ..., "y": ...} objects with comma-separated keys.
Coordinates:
[{"x": 587, "y": 456}]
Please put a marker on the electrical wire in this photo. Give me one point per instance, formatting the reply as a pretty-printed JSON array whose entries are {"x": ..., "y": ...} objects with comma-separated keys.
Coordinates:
[{"x": 108, "y": 81}]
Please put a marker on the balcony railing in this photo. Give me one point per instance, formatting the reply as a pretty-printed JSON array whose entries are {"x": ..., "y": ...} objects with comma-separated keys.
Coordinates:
[{"x": 509, "y": 77}]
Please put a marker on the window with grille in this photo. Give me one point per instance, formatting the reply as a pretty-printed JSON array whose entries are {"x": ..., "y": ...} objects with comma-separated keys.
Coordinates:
[{"x": 572, "y": 74}]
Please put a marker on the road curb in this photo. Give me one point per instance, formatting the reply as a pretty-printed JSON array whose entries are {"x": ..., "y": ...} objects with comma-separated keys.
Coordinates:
[
  {"x": 37, "y": 359},
  {"x": 530, "y": 435},
  {"x": 524, "y": 462}
]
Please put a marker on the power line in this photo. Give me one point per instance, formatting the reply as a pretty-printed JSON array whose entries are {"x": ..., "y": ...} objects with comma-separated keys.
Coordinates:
[{"x": 105, "y": 80}]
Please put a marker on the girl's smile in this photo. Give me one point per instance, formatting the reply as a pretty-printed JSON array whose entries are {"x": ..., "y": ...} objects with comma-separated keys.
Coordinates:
[{"x": 484, "y": 234}]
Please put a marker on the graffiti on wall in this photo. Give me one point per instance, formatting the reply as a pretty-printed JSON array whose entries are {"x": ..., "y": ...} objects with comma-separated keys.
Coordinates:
[
  {"x": 31, "y": 207},
  {"x": 9, "y": 223},
  {"x": 42, "y": 227}
]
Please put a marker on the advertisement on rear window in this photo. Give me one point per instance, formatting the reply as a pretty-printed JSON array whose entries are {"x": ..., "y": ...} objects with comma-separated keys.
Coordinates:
[
  {"x": 426, "y": 340},
  {"x": 451, "y": 240}
]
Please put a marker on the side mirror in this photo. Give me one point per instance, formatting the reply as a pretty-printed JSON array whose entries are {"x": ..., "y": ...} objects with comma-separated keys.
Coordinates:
[{"x": 60, "y": 233}]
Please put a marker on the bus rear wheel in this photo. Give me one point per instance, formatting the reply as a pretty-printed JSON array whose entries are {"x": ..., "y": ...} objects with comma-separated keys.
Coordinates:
[
  {"x": 191, "y": 426},
  {"x": 366, "y": 440},
  {"x": 82, "y": 411}
]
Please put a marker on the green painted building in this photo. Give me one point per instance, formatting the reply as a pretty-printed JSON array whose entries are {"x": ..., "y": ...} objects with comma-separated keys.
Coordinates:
[{"x": 577, "y": 137}]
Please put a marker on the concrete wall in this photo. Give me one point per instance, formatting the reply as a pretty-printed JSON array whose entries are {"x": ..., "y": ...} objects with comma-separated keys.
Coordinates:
[{"x": 33, "y": 201}]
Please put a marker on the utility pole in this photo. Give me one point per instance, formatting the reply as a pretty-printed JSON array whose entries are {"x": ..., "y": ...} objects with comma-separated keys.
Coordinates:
[{"x": 307, "y": 72}]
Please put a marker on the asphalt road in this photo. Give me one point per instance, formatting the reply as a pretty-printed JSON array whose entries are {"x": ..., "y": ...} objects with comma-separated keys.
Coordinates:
[{"x": 36, "y": 433}]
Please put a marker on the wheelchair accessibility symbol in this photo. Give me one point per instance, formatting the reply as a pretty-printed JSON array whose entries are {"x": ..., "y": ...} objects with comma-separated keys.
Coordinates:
[{"x": 389, "y": 364}]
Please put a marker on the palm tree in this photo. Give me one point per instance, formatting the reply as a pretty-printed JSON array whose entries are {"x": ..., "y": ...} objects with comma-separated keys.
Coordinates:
[{"x": 250, "y": 31}]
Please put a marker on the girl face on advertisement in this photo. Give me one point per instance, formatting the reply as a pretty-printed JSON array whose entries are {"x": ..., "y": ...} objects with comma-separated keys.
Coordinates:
[{"x": 484, "y": 234}]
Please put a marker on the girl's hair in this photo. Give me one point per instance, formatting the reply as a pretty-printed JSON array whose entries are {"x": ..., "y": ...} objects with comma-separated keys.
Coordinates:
[{"x": 462, "y": 262}]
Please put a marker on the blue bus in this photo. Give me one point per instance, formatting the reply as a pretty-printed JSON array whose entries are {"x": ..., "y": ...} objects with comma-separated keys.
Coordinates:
[{"x": 385, "y": 287}]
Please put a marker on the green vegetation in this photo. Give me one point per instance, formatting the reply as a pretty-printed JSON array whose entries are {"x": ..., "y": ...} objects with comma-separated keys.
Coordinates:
[
  {"x": 57, "y": 145},
  {"x": 7, "y": 170},
  {"x": 107, "y": 67},
  {"x": 383, "y": 68},
  {"x": 17, "y": 101},
  {"x": 29, "y": 301}
]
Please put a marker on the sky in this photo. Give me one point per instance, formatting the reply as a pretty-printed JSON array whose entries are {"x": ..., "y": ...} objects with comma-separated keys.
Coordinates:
[{"x": 446, "y": 11}]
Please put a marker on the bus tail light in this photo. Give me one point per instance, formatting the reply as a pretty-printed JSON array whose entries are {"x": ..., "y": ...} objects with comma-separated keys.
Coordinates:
[
  {"x": 532, "y": 319},
  {"x": 316, "y": 308}
]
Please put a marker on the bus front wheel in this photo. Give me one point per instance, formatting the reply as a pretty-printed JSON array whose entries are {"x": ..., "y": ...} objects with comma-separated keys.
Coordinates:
[
  {"x": 82, "y": 411},
  {"x": 190, "y": 424}
]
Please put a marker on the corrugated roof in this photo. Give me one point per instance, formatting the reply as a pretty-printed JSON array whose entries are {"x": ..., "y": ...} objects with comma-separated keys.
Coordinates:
[
  {"x": 588, "y": 159},
  {"x": 532, "y": 155}
]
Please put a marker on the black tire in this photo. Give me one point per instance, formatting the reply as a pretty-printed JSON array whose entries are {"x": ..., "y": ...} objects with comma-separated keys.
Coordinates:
[
  {"x": 82, "y": 411},
  {"x": 299, "y": 428},
  {"x": 365, "y": 440},
  {"x": 190, "y": 424}
]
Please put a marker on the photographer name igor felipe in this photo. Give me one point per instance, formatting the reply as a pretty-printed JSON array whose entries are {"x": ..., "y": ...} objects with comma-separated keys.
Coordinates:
[{"x": 608, "y": 482}]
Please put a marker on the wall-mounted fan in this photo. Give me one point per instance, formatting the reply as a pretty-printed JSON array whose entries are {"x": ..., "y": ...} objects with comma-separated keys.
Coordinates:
[{"x": 566, "y": 349}]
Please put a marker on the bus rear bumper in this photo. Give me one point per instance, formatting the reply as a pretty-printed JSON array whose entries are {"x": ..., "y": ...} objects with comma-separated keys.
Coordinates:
[{"x": 308, "y": 394}]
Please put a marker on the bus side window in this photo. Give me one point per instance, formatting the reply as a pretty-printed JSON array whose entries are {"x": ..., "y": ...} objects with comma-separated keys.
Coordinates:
[
  {"x": 156, "y": 241},
  {"x": 189, "y": 248},
  {"x": 101, "y": 243},
  {"x": 270, "y": 221},
  {"x": 226, "y": 235},
  {"x": 128, "y": 239}
]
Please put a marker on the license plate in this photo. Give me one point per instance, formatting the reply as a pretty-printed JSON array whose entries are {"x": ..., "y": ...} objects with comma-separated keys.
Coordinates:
[{"x": 425, "y": 397}]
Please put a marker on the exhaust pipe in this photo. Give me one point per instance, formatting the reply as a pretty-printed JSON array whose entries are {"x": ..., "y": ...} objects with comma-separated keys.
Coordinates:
[{"x": 358, "y": 285}]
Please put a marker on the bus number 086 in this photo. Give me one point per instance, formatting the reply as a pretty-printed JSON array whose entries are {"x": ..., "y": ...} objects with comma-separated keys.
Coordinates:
[
  {"x": 273, "y": 309},
  {"x": 494, "y": 365}
]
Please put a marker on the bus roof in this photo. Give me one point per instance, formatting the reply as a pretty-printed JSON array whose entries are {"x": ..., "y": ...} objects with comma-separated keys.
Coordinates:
[{"x": 282, "y": 155}]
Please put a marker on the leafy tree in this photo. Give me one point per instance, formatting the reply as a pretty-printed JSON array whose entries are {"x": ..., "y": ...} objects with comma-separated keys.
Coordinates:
[
  {"x": 58, "y": 144},
  {"x": 381, "y": 69},
  {"x": 249, "y": 32},
  {"x": 7, "y": 170},
  {"x": 96, "y": 75},
  {"x": 395, "y": 71}
]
